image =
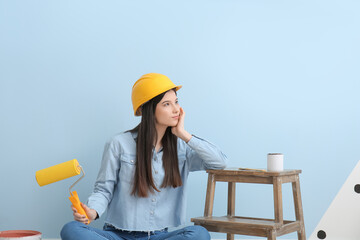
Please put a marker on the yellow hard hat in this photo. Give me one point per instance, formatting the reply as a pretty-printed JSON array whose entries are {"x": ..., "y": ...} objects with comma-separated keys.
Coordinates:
[{"x": 149, "y": 86}]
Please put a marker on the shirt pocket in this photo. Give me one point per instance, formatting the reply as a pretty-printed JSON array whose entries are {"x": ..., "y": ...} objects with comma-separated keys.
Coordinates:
[{"x": 127, "y": 170}]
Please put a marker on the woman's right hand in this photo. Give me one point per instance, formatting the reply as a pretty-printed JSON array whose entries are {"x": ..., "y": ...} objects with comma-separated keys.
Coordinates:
[{"x": 91, "y": 213}]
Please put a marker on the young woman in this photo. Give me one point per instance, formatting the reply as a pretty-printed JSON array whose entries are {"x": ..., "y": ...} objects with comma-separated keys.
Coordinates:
[{"x": 143, "y": 176}]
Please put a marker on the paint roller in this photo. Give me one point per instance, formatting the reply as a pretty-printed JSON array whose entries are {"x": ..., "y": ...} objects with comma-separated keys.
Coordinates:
[{"x": 60, "y": 172}]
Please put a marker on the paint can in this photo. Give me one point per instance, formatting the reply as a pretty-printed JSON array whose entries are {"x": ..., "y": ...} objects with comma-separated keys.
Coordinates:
[
  {"x": 20, "y": 234},
  {"x": 275, "y": 162}
]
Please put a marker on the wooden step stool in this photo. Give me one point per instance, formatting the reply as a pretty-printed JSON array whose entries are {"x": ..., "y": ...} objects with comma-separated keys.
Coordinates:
[{"x": 261, "y": 227}]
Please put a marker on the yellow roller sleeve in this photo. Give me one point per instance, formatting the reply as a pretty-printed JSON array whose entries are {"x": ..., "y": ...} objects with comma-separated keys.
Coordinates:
[{"x": 58, "y": 172}]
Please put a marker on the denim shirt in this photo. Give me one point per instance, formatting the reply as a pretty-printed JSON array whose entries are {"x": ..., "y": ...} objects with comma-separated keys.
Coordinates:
[{"x": 112, "y": 191}]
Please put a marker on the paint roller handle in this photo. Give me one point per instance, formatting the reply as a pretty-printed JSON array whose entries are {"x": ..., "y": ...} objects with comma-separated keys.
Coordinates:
[{"x": 74, "y": 198}]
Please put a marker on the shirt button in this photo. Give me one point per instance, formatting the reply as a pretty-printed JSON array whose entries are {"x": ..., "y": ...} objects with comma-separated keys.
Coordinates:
[
  {"x": 152, "y": 213},
  {"x": 156, "y": 172},
  {"x": 132, "y": 161},
  {"x": 153, "y": 200}
]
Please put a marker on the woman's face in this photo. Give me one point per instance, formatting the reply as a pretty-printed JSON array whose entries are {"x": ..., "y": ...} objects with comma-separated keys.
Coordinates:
[{"x": 168, "y": 110}]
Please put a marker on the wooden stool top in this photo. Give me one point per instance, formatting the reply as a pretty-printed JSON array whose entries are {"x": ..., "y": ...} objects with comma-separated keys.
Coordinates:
[{"x": 255, "y": 172}]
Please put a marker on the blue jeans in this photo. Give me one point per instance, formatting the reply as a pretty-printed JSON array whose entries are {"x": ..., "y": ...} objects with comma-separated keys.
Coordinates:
[{"x": 79, "y": 231}]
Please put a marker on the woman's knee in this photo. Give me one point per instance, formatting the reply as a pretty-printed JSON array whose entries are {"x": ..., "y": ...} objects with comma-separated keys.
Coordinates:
[
  {"x": 197, "y": 232},
  {"x": 69, "y": 228}
]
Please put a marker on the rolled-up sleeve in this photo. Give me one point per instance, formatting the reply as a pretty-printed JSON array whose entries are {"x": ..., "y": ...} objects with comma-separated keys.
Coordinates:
[
  {"x": 203, "y": 155},
  {"x": 107, "y": 178}
]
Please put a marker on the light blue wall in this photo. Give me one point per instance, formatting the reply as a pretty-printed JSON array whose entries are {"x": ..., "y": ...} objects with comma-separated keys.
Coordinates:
[{"x": 257, "y": 76}]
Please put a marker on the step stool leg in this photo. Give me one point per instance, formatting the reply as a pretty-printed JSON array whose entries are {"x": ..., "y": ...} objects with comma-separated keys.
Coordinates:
[
  {"x": 298, "y": 208},
  {"x": 231, "y": 199},
  {"x": 272, "y": 235},
  {"x": 278, "y": 205},
  {"x": 210, "y": 192},
  {"x": 231, "y": 205},
  {"x": 229, "y": 236}
]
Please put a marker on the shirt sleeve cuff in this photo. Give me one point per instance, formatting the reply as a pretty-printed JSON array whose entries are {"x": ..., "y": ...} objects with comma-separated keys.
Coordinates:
[{"x": 97, "y": 207}]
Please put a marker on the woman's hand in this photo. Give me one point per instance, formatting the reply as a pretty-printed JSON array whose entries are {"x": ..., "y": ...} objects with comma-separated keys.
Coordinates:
[
  {"x": 179, "y": 130},
  {"x": 91, "y": 213}
]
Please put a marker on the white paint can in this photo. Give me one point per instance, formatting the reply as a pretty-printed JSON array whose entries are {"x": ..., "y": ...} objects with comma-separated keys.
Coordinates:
[
  {"x": 275, "y": 162},
  {"x": 20, "y": 234}
]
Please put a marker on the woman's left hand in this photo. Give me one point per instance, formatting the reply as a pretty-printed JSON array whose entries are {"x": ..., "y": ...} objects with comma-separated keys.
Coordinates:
[
  {"x": 179, "y": 129},
  {"x": 91, "y": 213}
]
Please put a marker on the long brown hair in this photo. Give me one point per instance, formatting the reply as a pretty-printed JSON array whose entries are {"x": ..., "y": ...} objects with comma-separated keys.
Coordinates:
[{"x": 146, "y": 135}]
